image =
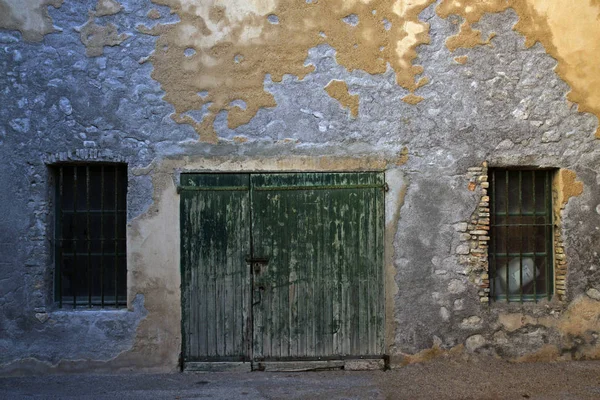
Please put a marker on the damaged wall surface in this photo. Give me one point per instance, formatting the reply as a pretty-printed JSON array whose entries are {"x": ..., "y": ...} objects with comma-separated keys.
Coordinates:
[{"x": 430, "y": 92}]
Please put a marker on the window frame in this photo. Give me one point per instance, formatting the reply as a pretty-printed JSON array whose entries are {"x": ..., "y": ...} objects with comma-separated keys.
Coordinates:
[
  {"x": 494, "y": 252},
  {"x": 103, "y": 300}
]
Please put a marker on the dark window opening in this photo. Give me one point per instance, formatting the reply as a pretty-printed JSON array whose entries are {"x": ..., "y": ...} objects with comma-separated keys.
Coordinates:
[
  {"x": 90, "y": 250},
  {"x": 521, "y": 232}
]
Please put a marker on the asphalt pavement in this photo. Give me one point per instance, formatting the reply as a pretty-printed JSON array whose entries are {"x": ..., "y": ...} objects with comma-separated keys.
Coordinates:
[{"x": 486, "y": 379}]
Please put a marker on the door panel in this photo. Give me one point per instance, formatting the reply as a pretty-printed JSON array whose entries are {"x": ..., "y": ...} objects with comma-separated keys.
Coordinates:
[
  {"x": 215, "y": 279},
  {"x": 321, "y": 292}
]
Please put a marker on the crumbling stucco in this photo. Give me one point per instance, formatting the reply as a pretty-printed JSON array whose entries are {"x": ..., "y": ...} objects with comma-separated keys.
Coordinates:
[
  {"x": 461, "y": 59},
  {"x": 238, "y": 44},
  {"x": 153, "y": 14},
  {"x": 569, "y": 32},
  {"x": 29, "y": 17},
  {"x": 94, "y": 37},
  {"x": 566, "y": 186},
  {"x": 412, "y": 99},
  {"x": 107, "y": 7},
  {"x": 262, "y": 37},
  {"x": 339, "y": 91}
]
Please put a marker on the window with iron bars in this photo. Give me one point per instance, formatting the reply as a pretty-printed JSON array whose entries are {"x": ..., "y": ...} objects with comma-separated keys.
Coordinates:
[
  {"x": 90, "y": 241},
  {"x": 521, "y": 232}
]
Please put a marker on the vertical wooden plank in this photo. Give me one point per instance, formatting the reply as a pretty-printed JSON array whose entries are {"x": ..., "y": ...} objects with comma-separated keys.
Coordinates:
[
  {"x": 293, "y": 290},
  {"x": 303, "y": 282},
  {"x": 379, "y": 267},
  {"x": 312, "y": 316},
  {"x": 257, "y": 307}
]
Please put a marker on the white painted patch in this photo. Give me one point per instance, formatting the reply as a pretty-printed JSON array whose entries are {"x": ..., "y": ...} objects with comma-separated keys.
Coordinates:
[
  {"x": 405, "y": 44},
  {"x": 236, "y": 14}
]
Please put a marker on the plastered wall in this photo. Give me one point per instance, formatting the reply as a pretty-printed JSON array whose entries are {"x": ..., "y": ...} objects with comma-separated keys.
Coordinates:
[{"x": 422, "y": 90}]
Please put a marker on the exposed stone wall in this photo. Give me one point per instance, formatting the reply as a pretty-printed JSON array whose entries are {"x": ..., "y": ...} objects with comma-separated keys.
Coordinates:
[
  {"x": 474, "y": 233},
  {"x": 114, "y": 96}
]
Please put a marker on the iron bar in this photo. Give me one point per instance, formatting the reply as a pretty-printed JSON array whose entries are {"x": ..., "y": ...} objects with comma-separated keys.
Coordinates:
[
  {"x": 89, "y": 238},
  {"x": 534, "y": 240},
  {"x": 551, "y": 235},
  {"x": 528, "y": 254},
  {"x": 115, "y": 237},
  {"x": 525, "y": 214},
  {"x": 506, "y": 236},
  {"x": 74, "y": 275},
  {"x": 520, "y": 237},
  {"x": 92, "y": 211},
  {"x": 93, "y": 254},
  {"x": 122, "y": 239},
  {"x": 102, "y": 236},
  {"x": 59, "y": 229},
  {"x": 516, "y": 225}
]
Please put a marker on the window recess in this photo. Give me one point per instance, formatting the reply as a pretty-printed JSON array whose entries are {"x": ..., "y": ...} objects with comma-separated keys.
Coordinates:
[
  {"x": 90, "y": 238},
  {"x": 521, "y": 233}
]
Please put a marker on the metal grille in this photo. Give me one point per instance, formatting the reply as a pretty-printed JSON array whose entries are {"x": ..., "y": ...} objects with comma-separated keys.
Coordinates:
[
  {"x": 521, "y": 262},
  {"x": 90, "y": 252}
]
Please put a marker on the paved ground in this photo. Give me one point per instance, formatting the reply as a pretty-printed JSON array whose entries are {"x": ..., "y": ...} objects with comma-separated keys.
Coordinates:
[{"x": 437, "y": 380}]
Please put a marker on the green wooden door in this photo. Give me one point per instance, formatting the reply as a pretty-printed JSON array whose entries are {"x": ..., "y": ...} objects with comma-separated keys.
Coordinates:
[
  {"x": 215, "y": 279},
  {"x": 282, "y": 266},
  {"x": 321, "y": 293}
]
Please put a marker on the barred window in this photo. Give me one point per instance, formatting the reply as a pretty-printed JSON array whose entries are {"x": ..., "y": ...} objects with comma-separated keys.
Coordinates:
[
  {"x": 521, "y": 246},
  {"x": 90, "y": 260}
]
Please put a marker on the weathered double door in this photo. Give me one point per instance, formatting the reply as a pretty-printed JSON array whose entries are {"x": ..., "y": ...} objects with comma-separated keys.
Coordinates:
[{"x": 282, "y": 266}]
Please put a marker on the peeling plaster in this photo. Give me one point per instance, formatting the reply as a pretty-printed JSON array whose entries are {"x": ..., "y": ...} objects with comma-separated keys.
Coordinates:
[
  {"x": 94, "y": 37},
  {"x": 461, "y": 59},
  {"x": 107, "y": 7},
  {"x": 339, "y": 91},
  {"x": 238, "y": 47},
  {"x": 570, "y": 33},
  {"x": 29, "y": 17},
  {"x": 412, "y": 99},
  {"x": 153, "y": 14},
  {"x": 567, "y": 186},
  {"x": 577, "y": 327}
]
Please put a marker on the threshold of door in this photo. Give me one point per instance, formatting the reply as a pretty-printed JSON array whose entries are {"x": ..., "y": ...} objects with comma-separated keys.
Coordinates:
[
  {"x": 219, "y": 366},
  {"x": 300, "y": 366},
  {"x": 287, "y": 366}
]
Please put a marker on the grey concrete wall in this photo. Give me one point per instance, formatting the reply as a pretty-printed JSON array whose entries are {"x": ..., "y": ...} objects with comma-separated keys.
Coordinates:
[{"x": 506, "y": 106}]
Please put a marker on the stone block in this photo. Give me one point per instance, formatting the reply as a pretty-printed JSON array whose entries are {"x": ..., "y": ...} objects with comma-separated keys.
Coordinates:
[
  {"x": 475, "y": 342},
  {"x": 593, "y": 293},
  {"x": 462, "y": 249}
]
